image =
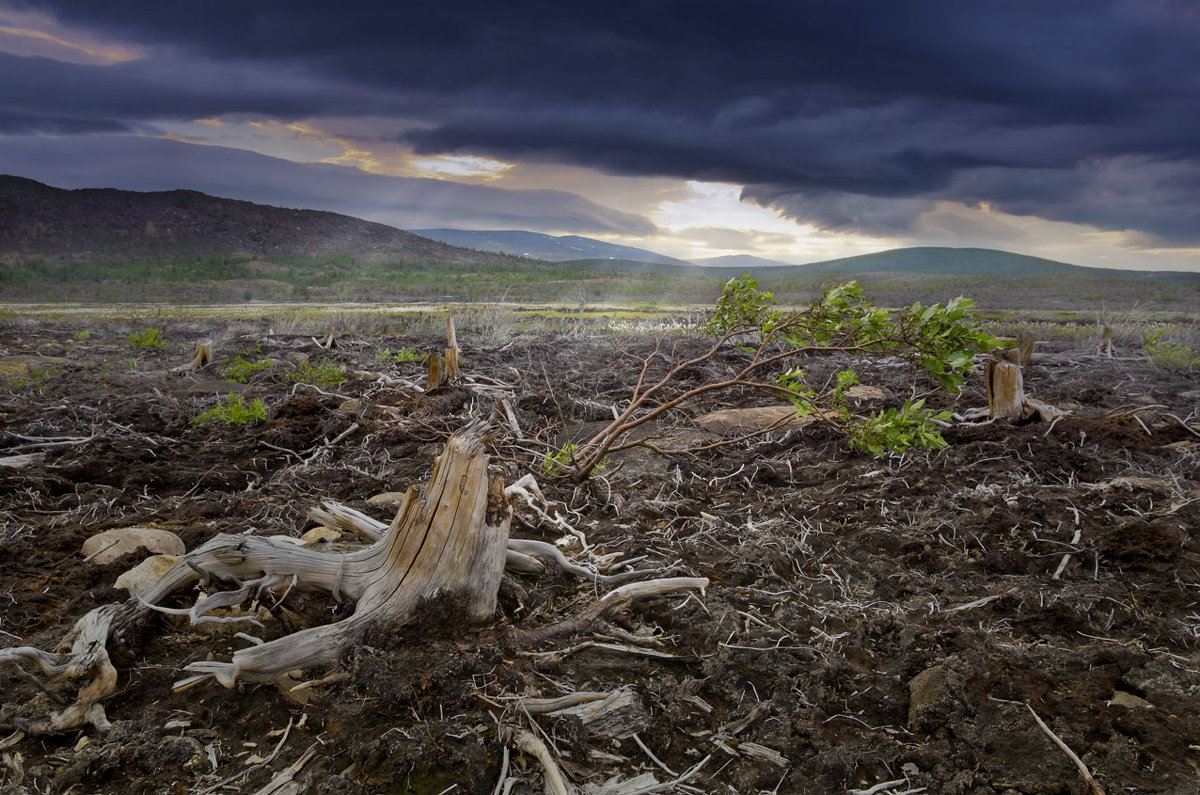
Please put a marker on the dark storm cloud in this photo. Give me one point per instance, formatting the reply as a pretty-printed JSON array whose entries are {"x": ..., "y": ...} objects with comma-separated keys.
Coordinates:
[
  {"x": 161, "y": 88},
  {"x": 139, "y": 163},
  {"x": 853, "y": 115}
]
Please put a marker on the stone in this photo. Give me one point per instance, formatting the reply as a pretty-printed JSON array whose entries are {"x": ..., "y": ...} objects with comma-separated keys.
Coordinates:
[
  {"x": 318, "y": 535},
  {"x": 860, "y": 392},
  {"x": 112, "y": 545},
  {"x": 141, "y": 577},
  {"x": 1129, "y": 700},
  {"x": 753, "y": 420}
]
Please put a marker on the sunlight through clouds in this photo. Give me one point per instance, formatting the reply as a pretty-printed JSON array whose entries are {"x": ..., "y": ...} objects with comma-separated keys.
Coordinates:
[
  {"x": 461, "y": 166},
  {"x": 713, "y": 221}
]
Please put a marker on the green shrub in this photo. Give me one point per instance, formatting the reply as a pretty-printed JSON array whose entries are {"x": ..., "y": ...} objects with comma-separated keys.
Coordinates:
[
  {"x": 234, "y": 411},
  {"x": 899, "y": 429},
  {"x": 146, "y": 339},
  {"x": 323, "y": 372},
  {"x": 83, "y": 335}
]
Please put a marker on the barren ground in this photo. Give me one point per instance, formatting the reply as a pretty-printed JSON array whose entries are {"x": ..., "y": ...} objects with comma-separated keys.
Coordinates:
[{"x": 877, "y": 620}]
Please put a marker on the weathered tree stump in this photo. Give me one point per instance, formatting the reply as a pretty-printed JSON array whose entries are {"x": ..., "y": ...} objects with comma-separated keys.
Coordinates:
[
  {"x": 1023, "y": 353},
  {"x": 451, "y": 373},
  {"x": 201, "y": 358},
  {"x": 434, "y": 377},
  {"x": 1005, "y": 390},
  {"x": 448, "y": 540}
]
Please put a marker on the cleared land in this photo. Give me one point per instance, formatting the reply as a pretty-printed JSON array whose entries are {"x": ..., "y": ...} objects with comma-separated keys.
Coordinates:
[{"x": 867, "y": 620}]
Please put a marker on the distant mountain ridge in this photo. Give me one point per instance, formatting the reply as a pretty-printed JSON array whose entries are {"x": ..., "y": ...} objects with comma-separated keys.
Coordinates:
[
  {"x": 917, "y": 260},
  {"x": 536, "y": 245},
  {"x": 105, "y": 224}
]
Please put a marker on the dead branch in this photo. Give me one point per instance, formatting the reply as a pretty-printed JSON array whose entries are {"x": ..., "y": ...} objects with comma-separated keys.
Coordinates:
[
  {"x": 610, "y": 603},
  {"x": 1092, "y": 784}
]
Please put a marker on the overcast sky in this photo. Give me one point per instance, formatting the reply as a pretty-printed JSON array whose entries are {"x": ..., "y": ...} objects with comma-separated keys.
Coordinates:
[{"x": 792, "y": 130}]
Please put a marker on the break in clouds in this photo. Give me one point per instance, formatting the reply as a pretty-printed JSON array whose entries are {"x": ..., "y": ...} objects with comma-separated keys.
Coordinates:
[{"x": 855, "y": 116}]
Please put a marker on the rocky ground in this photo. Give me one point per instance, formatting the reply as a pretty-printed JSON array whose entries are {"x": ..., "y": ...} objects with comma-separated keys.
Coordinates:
[{"x": 881, "y": 625}]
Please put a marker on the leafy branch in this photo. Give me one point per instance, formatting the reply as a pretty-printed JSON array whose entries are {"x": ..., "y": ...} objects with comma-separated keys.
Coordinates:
[{"x": 939, "y": 339}]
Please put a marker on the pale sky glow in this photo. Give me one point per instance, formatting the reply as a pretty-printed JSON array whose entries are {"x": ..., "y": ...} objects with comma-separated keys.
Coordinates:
[
  {"x": 792, "y": 134},
  {"x": 32, "y": 34}
]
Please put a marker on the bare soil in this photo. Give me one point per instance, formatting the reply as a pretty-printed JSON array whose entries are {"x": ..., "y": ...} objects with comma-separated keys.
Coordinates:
[{"x": 880, "y": 620}]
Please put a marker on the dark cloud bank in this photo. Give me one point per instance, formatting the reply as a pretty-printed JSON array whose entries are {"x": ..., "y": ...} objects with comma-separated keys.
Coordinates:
[{"x": 852, "y": 115}]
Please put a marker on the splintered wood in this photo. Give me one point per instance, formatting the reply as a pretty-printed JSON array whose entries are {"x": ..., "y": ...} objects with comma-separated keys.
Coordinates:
[{"x": 443, "y": 370}]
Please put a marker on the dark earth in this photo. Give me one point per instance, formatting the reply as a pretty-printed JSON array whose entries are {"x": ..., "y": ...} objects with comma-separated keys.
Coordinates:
[{"x": 872, "y": 621}]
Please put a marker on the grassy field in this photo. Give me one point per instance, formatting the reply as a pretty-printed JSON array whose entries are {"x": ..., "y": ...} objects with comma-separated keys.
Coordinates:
[{"x": 344, "y": 279}]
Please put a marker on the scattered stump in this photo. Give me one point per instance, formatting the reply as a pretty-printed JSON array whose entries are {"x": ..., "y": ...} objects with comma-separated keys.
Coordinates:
[
  {"x": 1005, "y": 390},
  {"x": 201, "y": 358}
]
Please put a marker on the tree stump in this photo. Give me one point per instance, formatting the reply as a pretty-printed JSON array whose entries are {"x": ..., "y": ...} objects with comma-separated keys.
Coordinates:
[
  {"x": 451, "y": 350},
  {"x": 201, "y": 358},
  {"x": 1023, "y": 353},
  {"x": 448, "y": 540},
  {"x": 1005, "y": 390},
  {"x": 433, "y": 372}
]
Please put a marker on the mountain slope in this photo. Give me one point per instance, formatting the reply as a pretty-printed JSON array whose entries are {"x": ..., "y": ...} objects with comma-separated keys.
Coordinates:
[
  {"x": 744, "y": 261},
  {"x": 539, "y": 246},
  {"x": 40, "y": 221}
]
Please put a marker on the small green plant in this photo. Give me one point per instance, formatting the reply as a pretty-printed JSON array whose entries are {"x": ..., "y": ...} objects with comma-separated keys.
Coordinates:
[
  {"x": 146, "y": 339},
  {"x": 322, "y": 372},
  {"x": 385, "y": 356},
  {"x": 900, "y": 429},
  {"x": 1172, "y": 355},
  {"x": 240, "y": 369},
  {"x": 83, "y": 335},
  {"x": 845, "y": 380},
  {"x": 36, "y": 381},
  {"x": 560, "y": 461},
  {"x": 797, "y": 392},
  {"x": 563, "y": 461},
  {"x": 234, "y": 411}
]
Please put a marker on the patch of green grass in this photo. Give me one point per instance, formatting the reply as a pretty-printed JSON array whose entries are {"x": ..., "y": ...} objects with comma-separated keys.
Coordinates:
[
  {"x": 36, "y": 380},
  {"x": 240, "y": 368},
  {"x": 385, "y": 356},
  {"x": 233, "y": 411},
  {"x": 82, "y": 335},
  {"x": 1171, "y": 355},
  {"x": 148, "y": 338},
  {"x": 322, "y": 372}
]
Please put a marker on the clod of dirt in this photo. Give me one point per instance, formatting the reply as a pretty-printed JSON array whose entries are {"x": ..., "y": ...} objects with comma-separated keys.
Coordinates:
[{"x": 930, "y": 699}]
